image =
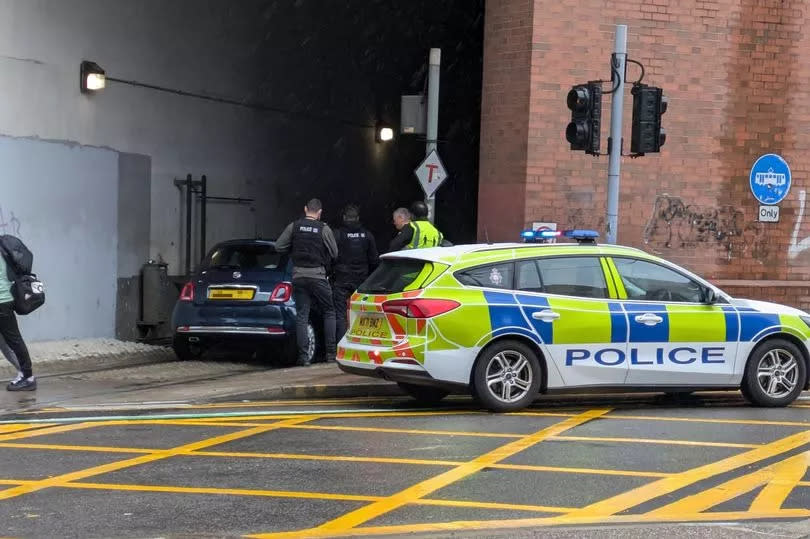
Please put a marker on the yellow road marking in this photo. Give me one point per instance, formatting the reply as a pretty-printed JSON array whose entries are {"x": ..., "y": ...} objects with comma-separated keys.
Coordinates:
[
  {"x": 663, "y": 441},
  {"x": 644, "y": 493},
  {"x": 787, "y": 475},
  {"x": 422, "y": 489},
  {"x": 337, "y": 458},
  {"x": 779, "y": 480},
  {"x": 157, "y": 455},
  {"x": 45, "y": 431},
  {"x": 590, "y": 471},
  {"x": 88, "y": 448},
  {"x": 326, "y": 458},
  {"x": 446, "y": 527},
  {"x": 14, "y": 427},
  {"x": 805, "y": 424},
  {"x": 293, "y": 494},
  {"x": 407, "y": 431}
]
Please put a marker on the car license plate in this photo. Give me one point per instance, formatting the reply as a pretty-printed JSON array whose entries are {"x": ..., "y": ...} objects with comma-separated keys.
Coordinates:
[
  {"x": 371, "y": 327},
  {"x": 231, "y": 293}
]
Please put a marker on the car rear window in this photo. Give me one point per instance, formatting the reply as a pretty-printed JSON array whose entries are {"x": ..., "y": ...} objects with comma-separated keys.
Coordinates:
[
  {"x": 396, "y": 275},
  {"x": 245, "y": 256}
]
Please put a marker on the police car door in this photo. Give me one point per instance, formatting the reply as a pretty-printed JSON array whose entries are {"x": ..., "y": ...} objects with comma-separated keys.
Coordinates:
[
  {"x": 675, "y": 338},
  {"x": 567, "y": 301}
]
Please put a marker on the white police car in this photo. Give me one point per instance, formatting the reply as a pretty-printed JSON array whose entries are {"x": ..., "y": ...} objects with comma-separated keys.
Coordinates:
[{"x": 509, "y": 321}]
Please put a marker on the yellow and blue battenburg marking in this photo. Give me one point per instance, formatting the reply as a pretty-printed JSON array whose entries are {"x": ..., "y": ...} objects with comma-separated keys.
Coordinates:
[{"x": 512, "y": 314}]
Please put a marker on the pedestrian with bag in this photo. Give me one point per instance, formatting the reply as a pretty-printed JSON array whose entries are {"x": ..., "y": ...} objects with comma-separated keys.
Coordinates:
[
  {"x": 20, "y": 293},
  {"x": 312, "y": 248}
]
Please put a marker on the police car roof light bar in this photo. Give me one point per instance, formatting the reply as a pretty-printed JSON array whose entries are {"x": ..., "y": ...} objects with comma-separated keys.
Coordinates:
[{"x": 582, "y": 236}]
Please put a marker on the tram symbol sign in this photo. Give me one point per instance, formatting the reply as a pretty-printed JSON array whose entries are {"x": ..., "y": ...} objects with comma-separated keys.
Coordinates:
[{"x": 770, "y": 179}]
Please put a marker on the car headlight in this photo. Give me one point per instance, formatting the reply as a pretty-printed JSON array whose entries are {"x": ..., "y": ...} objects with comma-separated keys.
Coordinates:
[{"x": 806, "y": 320}]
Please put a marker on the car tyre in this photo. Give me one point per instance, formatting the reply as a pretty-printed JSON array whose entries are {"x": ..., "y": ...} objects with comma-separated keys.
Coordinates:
[
  {"x": 423, "y": 394},
  {"x": 507, "y": 376},
  {"x": 775, "y": 374},
  {"x": 186, "y": 351}
]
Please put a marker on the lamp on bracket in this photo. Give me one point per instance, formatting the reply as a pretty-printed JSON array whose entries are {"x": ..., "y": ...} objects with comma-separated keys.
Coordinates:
[{"x": 92, "y": 77}]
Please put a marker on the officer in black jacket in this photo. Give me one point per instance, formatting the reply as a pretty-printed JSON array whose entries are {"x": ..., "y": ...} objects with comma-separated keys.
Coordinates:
[
  {"x": 313, "y": 248},
  {"x": 357, "y": 256}
]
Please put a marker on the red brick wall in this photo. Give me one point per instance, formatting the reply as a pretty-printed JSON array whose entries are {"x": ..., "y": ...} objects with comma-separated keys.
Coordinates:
[
  {"x": 504, "y": 116},
  {"x": 738, "y": 87}
]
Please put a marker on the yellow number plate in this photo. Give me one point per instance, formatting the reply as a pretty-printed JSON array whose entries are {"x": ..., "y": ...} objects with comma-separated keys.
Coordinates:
[
  {"x": 370, "y": 327},
  {"x": 231, "y": 293}
]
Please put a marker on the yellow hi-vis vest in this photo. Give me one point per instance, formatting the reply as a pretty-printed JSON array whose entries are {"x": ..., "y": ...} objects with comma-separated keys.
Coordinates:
[{"x": 424, "y": 235}]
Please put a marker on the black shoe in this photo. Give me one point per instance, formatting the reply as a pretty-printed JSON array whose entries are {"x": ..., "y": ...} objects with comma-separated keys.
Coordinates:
[
  {"x": 23, "y": 384},
  {"x": 303, "y": 362}
]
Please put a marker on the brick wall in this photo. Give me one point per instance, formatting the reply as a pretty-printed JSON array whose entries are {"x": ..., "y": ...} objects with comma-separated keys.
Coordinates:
[{"x": 738, "y": 87}]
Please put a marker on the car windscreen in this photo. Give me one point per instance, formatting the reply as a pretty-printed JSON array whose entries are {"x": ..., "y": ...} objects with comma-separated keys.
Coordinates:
[
  {"x": 396, "y": 275},
  {"x": 244, "y": 256}
]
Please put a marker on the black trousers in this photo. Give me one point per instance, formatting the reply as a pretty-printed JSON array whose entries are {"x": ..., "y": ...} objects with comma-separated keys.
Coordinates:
[
  {"x": 341, "y": 292},
  {"x": 306, "y": 292},
  {"x": 11, "y": 333}
]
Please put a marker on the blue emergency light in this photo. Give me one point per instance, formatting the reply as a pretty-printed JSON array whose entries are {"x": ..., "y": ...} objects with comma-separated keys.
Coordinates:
[
  {"x": 542, "y": 236},
  {"x": 582, "y": 235}
]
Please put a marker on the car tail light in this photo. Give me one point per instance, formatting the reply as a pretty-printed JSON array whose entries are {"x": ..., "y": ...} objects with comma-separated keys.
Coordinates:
[
  {"x": 419, "y": 308},
  {"x": 187, "y": 293},
  {"x": 281, "y": 293}
]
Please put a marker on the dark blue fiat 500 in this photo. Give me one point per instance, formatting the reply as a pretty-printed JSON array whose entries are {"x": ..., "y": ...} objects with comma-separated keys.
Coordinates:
[{"x": 240, "y": 296}]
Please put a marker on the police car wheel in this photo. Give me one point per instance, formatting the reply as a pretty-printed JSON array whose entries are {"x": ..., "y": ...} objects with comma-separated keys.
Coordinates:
[
  {"x": 775, "y": 374},
  {"x": 507, "y": 376},
  {"x": 423, "y": 394}
]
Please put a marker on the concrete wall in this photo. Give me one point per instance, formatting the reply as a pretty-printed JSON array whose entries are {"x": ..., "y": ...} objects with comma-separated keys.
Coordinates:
[
  {"x": 50, "y": 199},
  {"x": 198, "y": 46}
]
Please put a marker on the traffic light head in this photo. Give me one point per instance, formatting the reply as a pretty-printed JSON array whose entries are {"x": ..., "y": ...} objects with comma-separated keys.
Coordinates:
[
  {"x": 585, "y": 103},
  {"x": 649, "y": 104}
]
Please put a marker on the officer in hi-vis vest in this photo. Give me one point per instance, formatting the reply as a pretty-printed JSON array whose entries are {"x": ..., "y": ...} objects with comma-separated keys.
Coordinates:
[{"x": 313, "y": 248}]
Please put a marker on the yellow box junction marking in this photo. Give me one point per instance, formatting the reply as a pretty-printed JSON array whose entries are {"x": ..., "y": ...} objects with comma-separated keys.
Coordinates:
[
  {"x": 60, "y": 480},
  {"x": 779, "y": 480},
  {"x": 420, "y": 490}
]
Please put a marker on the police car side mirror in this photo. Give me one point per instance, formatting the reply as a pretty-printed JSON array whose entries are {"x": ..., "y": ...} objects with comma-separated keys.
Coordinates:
[{"x": 709, "y": 296}]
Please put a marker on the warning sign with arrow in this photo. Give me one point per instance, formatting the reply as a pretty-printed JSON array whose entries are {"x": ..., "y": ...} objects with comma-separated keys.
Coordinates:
[{"x": 431, "y": 173}]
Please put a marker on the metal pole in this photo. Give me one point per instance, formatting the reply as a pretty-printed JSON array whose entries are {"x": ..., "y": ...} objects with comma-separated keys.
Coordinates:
[
  {"x": 188, "y": 224},
  {"x": 203, "y": 208},
  {"x": 617, "y": 65},
  {"x": 433, "y": 117}
]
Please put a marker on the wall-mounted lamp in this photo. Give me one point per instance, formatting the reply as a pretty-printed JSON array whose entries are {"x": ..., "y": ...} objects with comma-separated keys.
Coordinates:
[
  {"x": 92, "y": 77},
  {"x": 384, "y": 133}
]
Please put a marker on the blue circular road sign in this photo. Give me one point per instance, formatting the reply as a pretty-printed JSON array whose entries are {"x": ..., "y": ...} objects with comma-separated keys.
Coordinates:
[{"x": 770, "y": 179}]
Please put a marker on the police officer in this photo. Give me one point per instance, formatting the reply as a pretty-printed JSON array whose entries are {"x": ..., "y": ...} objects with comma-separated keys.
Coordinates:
[
  {"x": 357, "y": 256},
  {"x": 313, "y": 248},
  {"x": 424, "y": 233}
]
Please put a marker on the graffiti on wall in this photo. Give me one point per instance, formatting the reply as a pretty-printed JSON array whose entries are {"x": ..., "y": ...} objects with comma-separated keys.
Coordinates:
[
  {"x": 797, "y": 247},
  {"x": 677, "y": 225},
  {"x": 9, "y": 224}
]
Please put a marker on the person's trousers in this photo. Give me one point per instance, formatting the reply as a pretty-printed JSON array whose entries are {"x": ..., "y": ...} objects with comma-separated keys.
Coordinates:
[
  {"x": 11, "y": 334},
  {"x": 341, "y": 292},
  {"x": 307, "y": 292}
]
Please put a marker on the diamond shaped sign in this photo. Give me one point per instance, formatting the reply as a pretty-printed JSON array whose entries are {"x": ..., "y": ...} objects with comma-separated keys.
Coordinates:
[{"x": 431, "y": 173}]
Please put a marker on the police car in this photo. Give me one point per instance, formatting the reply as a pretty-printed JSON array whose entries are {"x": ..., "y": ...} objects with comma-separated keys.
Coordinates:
[{"x": 507, "y": 322}]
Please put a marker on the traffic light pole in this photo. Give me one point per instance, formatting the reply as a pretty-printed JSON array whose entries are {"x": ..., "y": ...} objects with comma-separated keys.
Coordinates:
[
  {"x": 433, "y": 117},
  {"x": 617, "y": 66}
]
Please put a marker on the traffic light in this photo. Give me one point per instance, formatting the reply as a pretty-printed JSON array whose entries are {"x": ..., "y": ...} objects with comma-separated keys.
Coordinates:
[
  {"x": 649, "y": 104},
  {"x": 585, "y": 102}
]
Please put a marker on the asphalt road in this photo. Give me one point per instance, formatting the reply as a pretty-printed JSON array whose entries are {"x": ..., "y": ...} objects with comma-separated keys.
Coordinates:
[{"x": 607, "y": 466}]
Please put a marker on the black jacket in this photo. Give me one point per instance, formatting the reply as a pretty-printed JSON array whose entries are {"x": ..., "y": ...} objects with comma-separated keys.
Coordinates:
[{"x": 357, "y": 255}]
